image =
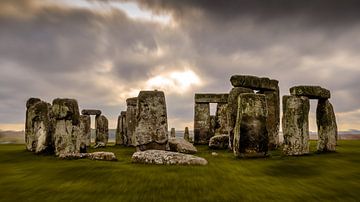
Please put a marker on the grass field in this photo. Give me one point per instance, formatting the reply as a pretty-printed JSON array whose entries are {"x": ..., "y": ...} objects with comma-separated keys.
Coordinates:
[{"x": 316, "y": 177}]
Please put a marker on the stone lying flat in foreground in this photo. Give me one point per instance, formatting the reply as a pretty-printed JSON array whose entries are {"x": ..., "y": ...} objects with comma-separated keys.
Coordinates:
[
  {"x": 182, "y": 146},
  {"x": 104, "y": 156},
  {"x": 312, "y": 92},
  {"x": 161, "y": 157},
  {"x": 219, "y": 142},
  {"x": 91, "y": 112},
  {"x": 254, "y": 82}
]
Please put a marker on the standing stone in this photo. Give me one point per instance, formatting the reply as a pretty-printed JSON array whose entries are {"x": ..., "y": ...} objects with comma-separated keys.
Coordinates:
[
  {"x": 232, "y": 111},
  {"x": 213, "y": 125},
  {"x": 273, "y": 119},
  {"x": 151, "y": 131},
  {"x": 121, "y": 129},
  {"x": 102, "y": 131},
  {"x": 84, "y": 140},
  {"x": 312, "y": 92},
  {"x": 202, "y": 121},
  {"x": 38, "y": 126},
  {"x": 118, "y": 138},
  {"x": 221, "y": 119},
  {"x": 67, "y": 127},
  {"x": 251, "y": 136},
  {"x": 131, "y": 120},
  {"x": 187, "y": 134},
  {"x": 295, "y": 125},
  {"x": 172, "y": 133},
  {"x": 327, "y": 127}
]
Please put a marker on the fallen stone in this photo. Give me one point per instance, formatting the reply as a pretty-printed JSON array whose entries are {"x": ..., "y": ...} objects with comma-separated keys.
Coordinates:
[
  {"x": 103, "y": 156},
  {"x": 70, "y": 156},
  {"x": 214, "y": 154},
  {"x": 102, "y": 130},
  {"x": 254, "y": 82},
  {"x": 327, "y": 127},
  {"x": 91, "y": 112},
  {"x": 100, "y": 145},
  {"x": 161, "y": 157},
  {"x": 295, "y": 125},
  {"x": 219, "y": 142},
  {"x": 182, "y": 146},
  {"x": 151, "y": 130},
  {"x": 312, "y": 92}
]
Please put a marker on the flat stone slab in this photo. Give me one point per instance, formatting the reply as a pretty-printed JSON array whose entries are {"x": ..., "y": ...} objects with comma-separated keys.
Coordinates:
[
  {"x": 91, "y": 112},
  {"x": 254, "y": 82},
  {"x": 161, "y": 157},
  {"x": 103, "y": 156},
  {"x": 211, "y": 98},
  {"x": 312, "y": 92},
  {"x": 182, "y": 146}
]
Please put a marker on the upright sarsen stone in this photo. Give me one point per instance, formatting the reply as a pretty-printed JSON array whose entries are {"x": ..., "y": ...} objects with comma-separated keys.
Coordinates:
[
  {"x": 102, "y": 130},
  {"x": 84, "y": 139},
  {"x": 38, "y": 126},
  {"x": 187, "y": 134},
  {"x": 295, "y": 125},
  {"x": 251, "y": 135},
  {"x": 121, "y": 129},
  {"x": 327, "y": 127},
  {"x": 202, "y": 122},
  {"x": 221, "y": 119},
  {"x": 232, "y": 108},
  {"x": 151, "y": 131},
  {"x": 131, "y": 120}
]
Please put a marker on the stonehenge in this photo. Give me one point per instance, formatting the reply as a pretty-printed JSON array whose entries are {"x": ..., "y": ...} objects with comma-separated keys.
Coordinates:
[
  {"x": 102, "y": 131},
  {"x": 130, "y": 120},
  {"x": 120, "y": 138}
]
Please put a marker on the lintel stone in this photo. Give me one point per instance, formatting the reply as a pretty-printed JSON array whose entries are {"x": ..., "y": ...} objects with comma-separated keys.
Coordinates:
[
  {"x": 311, "y": 92},
  {"x": 211, "y": 98},
  {"x": 254, "y": 82}
]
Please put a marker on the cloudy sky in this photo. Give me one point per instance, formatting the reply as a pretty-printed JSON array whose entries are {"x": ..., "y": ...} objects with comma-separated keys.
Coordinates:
[{"x": 102, "y": 52}]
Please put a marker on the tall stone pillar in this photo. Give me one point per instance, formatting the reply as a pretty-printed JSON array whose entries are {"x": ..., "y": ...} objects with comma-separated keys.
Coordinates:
[
  {"x": 221, "y": 119},
  {"x": 251, "y": 136},
  {"x": 327, "y": 127},
  {"x": 102, "y": 131},
  {"x": 202, "y": 123},
  {"x": 131, "y": 120},
  {"x": 172, "y": 133},
  {"x": 151, "y": 131},
  {"x": 187, "y": 134},
  {"x": 84, "y": 139},
  {"x": 295, "y": 125},
  {"x": 121, "y": 129},
  {"x": 232, "y": 108}
]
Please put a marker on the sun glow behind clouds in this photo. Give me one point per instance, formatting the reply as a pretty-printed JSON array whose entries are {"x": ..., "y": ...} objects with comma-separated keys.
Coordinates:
[{"x": 174, "y": 82}]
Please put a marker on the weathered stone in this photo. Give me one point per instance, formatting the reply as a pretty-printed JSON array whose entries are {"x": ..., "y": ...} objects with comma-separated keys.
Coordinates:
[
  {"x": 251, "y": 136},
  {"x": 104, "y": 156},
  {"x": 211, "y": 98},
  {"x": 172, "y": 132},
  {"x": 182, "y": 146},
  {"x": 166, "y": 158},
  {"x": 38, "y": 126},
  {"x": 232, "y": 108},
  {"x": 273, "y": 118},
  {"x": 213, "y": 125},
  {"x": 295, "y": 125},
  {"x": 312, "y": 92},
  {"x": 131, "y": 121},
  {"x": 187, "y": 134},
  {"x": 151, "y": 131},
  {"x": 91, "y": 112},
  {"x": 99, "y": 145},
  {"x": 67, "y": 127},
  {"x": 84, "y": 139},
  {"x": 121, "y": 129},
  {"x": 202, "y": 120},
  {"x": 221, "y": 119},
  {"x": 219, "y": 142},
  {"x": 102, "y": 130},
  {"x": 254, "y": 82},
  {"x": 327, "y": 127}
]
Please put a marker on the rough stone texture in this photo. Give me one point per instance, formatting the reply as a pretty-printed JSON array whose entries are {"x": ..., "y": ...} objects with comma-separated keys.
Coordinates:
[
  {"x": 221, "y": 119},
  {"x": 212, "y": 128},
  {"x": 104, "y": 156},
  {"x": 99, "y": 145},
  {"x": 295, "y": 125},
  {"x": 172, "y": 132},
  {"x": 254, "y": 82},
  {"x": 232, "y": 108},
  {"x": 251, "y": 136},
  {"x": 166, "y": 158},
  {"x": 121, "y": 129},
  {"x": 182, "y": 146},
  {"x": 273, "y": 118},
  {"x": 327, "y": 127},
  {"x": 211, "y": 98},
  {"x": 131, "y": 121},
  {"x": 91, "y": 112},
  {"x": 202, "y": 120},
  {"x": 38, "y": 126},
  {"x": 219, "y": 142},
  {"x": 84, "y": 139},
  {"x": 151, "y": 131},
  {"x": 187, "y": 134},
  {"x": 312, "y": 92},
  {"x": 67, "y": 127},
  {"x": 102, "y": 130}
]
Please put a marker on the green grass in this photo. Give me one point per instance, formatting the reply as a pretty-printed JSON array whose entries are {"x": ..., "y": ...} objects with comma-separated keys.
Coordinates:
[{"x": 25, "y": 176}]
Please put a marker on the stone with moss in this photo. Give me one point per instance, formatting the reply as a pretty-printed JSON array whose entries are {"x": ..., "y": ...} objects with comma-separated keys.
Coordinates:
[
  {"x": 219, "y": 142},
  {"x": 182, "y": 146},
  {"x": 84, "y": 139},
  {"x": 312, "y": 92},
  {"x": 327, "y": 127},
  {"x": 130, "y": 121},
  {"x": 254, "y": 82},
  {"x": 102, "y": 130},
  {"x": 66, "y": 109}
]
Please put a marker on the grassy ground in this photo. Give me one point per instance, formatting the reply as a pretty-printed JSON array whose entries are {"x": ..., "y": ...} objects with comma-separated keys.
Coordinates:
[{"x": 316, "y": 177}]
